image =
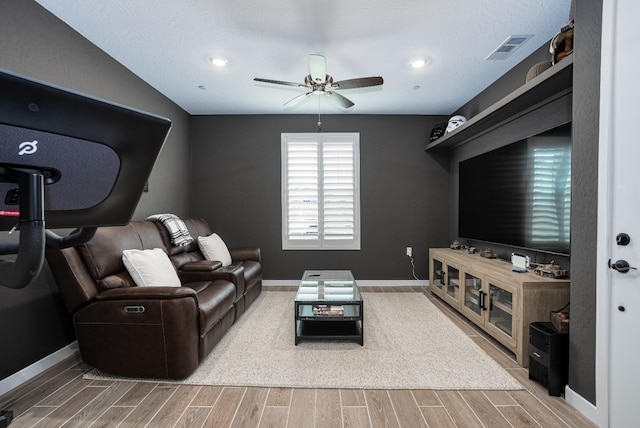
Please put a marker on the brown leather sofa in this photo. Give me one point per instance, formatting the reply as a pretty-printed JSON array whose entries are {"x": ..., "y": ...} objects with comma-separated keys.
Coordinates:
[{"x": 157, "y": 331}]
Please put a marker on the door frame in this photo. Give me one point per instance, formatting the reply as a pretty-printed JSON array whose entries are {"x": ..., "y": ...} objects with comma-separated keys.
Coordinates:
[{"x": 605, "y": 213}]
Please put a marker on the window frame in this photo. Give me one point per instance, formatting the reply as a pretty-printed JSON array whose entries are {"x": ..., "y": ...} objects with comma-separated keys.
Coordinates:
[{"x": 320, "y": 139}]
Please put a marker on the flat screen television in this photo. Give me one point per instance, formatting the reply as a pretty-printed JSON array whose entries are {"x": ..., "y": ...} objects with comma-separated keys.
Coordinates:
[{"x": 520, "y": 195}]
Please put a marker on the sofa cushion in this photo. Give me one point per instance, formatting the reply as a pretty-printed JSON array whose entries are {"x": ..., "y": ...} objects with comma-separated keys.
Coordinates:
[
  {"x": 215, "y": 299},
  {"x": 103, "y": 253},
  {"x": 179, "y": 260},
  {"x": 150, "y": 267},
  {"x": 198, "y": 226},
  {"x": 214, "y": 248},
  {"x": 252, "y": 273}
]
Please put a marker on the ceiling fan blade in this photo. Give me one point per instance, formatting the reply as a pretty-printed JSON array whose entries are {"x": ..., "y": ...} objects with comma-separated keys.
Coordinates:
[
  {"x": 317, "y": 68},
  {"x": 295, "y": 100},
  {"x": 339, "y": 99},
  {"x": 280, "y": 82},
  {"x": 361, "y": 82}
]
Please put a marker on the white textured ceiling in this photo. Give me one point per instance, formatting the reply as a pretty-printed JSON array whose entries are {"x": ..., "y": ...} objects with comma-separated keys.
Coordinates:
[{"x": 168, "y": 43}]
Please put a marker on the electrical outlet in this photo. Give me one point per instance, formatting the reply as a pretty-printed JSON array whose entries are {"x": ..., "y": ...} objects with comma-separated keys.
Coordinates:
[{"x": 409, "y": 251}]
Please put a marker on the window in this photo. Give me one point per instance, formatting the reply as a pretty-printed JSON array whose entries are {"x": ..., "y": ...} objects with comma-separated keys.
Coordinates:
[{"x": 320, "y": 191}]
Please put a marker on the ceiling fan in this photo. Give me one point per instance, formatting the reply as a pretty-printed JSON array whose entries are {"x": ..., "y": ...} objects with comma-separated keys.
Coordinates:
[{"x": 318, "y": 82}]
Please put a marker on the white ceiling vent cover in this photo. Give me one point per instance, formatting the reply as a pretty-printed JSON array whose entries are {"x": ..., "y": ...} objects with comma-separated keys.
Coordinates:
[{"x": 508, "y": 47}]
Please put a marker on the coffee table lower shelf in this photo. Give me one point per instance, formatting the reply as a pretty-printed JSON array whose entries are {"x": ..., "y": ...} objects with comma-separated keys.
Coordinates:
[{"x": 326, "y": 329}]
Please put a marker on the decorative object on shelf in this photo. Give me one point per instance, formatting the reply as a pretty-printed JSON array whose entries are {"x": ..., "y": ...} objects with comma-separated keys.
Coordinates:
[
  {"x": 438, "y": 131},
  {"x": 488, "y": 253},
  {"x": 455, "y": 245},
  {"x": 552, "y": 84},
  {"x": 520, "y": 261},
  {"x": 455, "y": 121},
  {"x": 550, "y": 271},
  {"x": 561, "y": 45},
  {"x": 537, "y": 69},
  {"x": 560, "y": 319},
  {"x": 471, "y": 250}
]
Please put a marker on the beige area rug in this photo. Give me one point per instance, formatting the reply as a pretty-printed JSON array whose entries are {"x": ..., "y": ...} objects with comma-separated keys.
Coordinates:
[{"x": 408, "y": 344}]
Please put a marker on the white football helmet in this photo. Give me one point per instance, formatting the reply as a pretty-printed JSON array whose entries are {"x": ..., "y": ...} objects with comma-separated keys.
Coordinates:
[{"x": 455, "y": 121}]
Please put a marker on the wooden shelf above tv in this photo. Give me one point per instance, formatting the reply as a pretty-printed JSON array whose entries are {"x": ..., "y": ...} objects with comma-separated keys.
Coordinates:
[{"x": 549, "y": 85}]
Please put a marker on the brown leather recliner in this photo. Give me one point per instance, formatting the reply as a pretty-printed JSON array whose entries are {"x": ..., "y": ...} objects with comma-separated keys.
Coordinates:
[
  {"x": 245, "y": 270},
  {"x": 150, "y": 332}
]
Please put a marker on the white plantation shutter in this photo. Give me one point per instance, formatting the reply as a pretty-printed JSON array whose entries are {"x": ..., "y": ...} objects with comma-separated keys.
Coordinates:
[
  {"x": 320, "y": 179},
  {"x": 302, "y": 190},
  {"x": 338, "y": 190}
]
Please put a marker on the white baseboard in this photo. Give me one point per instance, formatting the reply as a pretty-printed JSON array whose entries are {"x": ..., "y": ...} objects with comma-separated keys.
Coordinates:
[
  {"x": 17, "y": 379},
  {"x": 576, "y": 401},
  {"x": 361, "y": 282}
]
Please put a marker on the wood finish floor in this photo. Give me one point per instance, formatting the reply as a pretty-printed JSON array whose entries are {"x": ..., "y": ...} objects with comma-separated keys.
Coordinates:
[{"x": 60, "y": 397}]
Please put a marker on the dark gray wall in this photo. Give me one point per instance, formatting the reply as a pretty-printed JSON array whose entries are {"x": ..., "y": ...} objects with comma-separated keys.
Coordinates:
[
  {"x": 35, "y": 43},
  {"x": 404, "y": 191},
  {"x": 584, "y": 197}
]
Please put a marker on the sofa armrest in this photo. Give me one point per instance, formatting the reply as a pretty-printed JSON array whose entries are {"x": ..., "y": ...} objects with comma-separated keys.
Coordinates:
[
  {"x": 201, "y": 266},
  {"x": 141, "y": 331},
  {"x": 245, "y": 253},
  {"x": 233, "y": 273},
  {"x": 146, "y": 293}
]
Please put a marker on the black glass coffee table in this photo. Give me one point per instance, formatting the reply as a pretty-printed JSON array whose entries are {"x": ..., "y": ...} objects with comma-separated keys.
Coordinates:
[{"x": 328, "y": 306}]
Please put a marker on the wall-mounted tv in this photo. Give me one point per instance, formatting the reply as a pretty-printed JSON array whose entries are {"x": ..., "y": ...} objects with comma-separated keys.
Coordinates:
[{"x": 520, "y": 194}]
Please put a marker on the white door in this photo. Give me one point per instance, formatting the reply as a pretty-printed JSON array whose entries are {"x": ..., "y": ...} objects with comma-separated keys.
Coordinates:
[{"x": 619, "y": 212}]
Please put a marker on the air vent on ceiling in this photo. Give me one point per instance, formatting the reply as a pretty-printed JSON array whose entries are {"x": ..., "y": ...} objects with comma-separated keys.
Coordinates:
[{"x": 508, "y": 47}]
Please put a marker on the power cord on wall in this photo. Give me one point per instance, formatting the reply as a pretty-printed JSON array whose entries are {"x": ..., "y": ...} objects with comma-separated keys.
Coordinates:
[{"x": 413, "y": 268}]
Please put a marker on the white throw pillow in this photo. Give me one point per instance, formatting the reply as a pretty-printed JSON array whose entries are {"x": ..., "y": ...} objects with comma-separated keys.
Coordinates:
[
  {"x": 150, "y": 267},
  {"x": 214, "y": 248}
]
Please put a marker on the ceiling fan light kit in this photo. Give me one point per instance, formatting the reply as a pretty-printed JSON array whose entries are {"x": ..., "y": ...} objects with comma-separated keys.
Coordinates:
[{"x": 318, "y": 82}]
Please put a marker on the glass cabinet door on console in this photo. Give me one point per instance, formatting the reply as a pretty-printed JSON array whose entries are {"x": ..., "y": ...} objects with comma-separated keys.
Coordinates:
[
  {"x": 437, "y": 276},
  {"x": 501, "y": 300},
  {"x": 474, "y": 301},
  {"x": 452, "y": 285}
]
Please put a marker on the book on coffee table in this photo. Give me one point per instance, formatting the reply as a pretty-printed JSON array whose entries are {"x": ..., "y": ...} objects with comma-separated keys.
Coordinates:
[{"x": 328, "y": 310}]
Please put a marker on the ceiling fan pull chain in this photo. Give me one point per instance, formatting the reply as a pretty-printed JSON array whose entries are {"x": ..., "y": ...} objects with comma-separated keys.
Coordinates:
[{"x": 319, "y": 122}]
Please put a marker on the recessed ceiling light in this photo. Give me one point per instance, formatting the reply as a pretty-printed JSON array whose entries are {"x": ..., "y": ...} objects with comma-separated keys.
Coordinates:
[
  {"x": 418, "y": 62},
  {"x": 218, "y": 61}
]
